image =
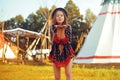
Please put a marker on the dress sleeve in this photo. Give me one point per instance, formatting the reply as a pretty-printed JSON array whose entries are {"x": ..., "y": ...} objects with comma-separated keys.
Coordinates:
[
  {"x": 69, "y": 33},
  {"x": 52, "y": 31}
]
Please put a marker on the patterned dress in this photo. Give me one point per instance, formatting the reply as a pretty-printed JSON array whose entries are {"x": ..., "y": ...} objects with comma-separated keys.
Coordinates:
[{"x": 61, "y": 59}]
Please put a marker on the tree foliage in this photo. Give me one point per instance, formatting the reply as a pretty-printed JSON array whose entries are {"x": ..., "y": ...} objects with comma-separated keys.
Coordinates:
[
  {"x": 44, "y": 12},
  {"x": 15, "y": 22},
  {"x": 90, "y": 17},
  {"x": 73, "y": 12},
  {"x": 32, "y": 22}
]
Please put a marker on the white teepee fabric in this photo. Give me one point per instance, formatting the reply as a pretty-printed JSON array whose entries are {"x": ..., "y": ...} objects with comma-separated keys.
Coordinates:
[
  {"x": 9, "y": 54},
  {"x": 103, "y": 42}
]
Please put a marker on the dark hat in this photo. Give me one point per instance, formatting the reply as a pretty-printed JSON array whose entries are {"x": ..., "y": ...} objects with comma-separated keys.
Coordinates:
[{"x": 59, "y": 9}]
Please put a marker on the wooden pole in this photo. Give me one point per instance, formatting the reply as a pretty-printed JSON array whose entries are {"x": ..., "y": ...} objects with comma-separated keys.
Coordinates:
[
  {"x": 27, "y": 42},
  {"x": 17, "y": 37},
  {"x": 2, "y": 36}
]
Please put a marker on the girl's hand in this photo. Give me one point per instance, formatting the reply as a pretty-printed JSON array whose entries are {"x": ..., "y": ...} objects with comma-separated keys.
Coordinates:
[
  {"x": 60, "y": 26},
  {"x": 65, "y": 26}
]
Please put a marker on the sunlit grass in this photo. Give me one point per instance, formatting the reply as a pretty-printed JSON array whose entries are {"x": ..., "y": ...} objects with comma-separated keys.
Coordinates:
[{"x": 45, "y": 72}]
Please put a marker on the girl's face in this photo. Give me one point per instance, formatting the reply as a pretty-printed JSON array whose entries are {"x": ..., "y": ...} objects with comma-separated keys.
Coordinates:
[{"x": 59, "y": 17}]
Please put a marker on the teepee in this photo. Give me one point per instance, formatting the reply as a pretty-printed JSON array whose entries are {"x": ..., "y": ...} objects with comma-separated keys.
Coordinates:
[
  {"x": 5, "y": 50},
  {"x": 9, "y": 54},
  {"x": 102, "y": 44}
]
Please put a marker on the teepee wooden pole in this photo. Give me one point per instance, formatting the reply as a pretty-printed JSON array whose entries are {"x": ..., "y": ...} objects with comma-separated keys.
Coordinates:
[{"x": 2, "y": 36}]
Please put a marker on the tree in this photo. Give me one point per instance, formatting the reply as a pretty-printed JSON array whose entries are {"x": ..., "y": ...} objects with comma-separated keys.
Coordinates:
[
  {"x": 33, "y": 22},
  {"x": 73, "y": 12},
  {"x": 15, "y": 22},
  {"x": 43, "y": 13},
  {"x": 19, "y": 20},
  {"x": 90, "y": 17}
]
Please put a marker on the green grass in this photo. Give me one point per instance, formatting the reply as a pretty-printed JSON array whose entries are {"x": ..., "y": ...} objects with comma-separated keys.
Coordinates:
[{"x": 45, "y": 72}]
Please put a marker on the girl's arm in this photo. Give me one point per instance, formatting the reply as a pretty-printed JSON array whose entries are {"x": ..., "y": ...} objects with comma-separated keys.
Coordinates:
[
  {"x": 52, "y": 31},
  {"x": 69, "y": 33}
]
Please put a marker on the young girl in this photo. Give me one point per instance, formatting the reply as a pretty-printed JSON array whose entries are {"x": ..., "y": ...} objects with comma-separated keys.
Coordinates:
[{"x": 62, "y": 52}]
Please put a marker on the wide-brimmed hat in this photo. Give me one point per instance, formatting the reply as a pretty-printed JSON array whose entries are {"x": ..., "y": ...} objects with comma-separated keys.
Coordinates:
[{"x": 59, "y": 9}]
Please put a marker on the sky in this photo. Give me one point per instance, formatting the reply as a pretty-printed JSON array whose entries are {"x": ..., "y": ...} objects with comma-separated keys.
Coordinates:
[{"x": 11, "y": 8}]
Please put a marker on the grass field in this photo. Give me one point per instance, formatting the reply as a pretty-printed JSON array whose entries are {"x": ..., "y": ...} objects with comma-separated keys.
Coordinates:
[{"x": 45, "y": 72}]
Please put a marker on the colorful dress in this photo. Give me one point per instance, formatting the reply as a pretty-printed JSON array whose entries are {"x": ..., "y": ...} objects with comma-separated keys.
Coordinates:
[{"x": 61, "y": 59}]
